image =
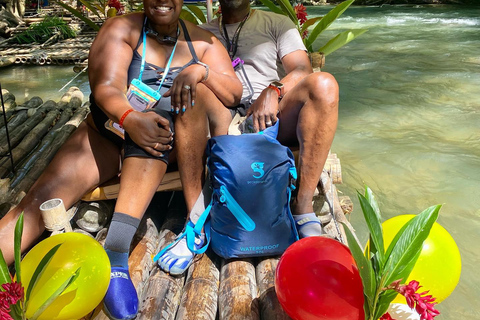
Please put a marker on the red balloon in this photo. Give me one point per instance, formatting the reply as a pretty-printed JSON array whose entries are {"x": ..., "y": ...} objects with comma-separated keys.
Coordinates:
[{"x": 317, "y": 279}]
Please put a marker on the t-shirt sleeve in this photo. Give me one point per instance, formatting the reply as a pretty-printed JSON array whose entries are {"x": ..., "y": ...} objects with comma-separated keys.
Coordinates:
[{"x": 288, "y": 37}]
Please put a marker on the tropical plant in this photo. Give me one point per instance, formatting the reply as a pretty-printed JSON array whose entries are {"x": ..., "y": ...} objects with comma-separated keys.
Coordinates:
[
  {"x": 311, "y": 28},
  {"x": 43, "y": 31},
  {"x": 102, "y": 9},
  {"x": 13, "y": 297},
  {"x": 383, "y": 271}
]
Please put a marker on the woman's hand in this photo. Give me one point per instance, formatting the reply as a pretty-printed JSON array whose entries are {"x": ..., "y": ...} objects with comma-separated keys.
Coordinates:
[
  {"x": 150, "y": 131},
  {"x": 183, "y": 91},
  {"x": 264, "y": 110}
]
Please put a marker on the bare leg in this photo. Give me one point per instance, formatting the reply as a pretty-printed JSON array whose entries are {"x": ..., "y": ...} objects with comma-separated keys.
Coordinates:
[
  {"x": 138, "y": 183},
  {"x": 191, "y": 132},
  {"x": 308, "y": 118},
  {"x": 84, "y": 161}
]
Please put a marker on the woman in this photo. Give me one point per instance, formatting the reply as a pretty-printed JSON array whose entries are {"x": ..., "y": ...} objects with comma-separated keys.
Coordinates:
[{"x": 199, "y": 84}]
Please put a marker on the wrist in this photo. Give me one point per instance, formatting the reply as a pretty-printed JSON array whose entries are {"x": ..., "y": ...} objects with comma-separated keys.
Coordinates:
[
  {"x": 207, "y": 70},
  {"x": 124, "y": 116},
  {"x": 278, "y": 87}
]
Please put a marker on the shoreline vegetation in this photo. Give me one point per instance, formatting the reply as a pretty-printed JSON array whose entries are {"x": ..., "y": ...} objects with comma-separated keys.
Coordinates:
[{"x": 387, "y": 2}]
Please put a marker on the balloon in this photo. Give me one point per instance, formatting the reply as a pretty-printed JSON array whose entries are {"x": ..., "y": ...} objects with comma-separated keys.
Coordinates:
[
  {"x": 317, "y": 279},
  {"x": 84, "y": 294},
  {"x": 439, "y": 265},
  {"x": 400, "y": 311}
]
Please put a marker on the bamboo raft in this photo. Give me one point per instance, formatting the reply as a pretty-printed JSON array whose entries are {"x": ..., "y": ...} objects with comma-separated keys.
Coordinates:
[{"x": 213, "y": 288}]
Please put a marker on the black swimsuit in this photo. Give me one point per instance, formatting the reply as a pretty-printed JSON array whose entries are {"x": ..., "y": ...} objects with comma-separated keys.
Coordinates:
[{"x": 151, "y": 77}]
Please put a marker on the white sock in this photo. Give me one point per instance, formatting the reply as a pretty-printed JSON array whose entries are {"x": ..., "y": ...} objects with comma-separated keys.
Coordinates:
[{"x": 308, "y": 225}]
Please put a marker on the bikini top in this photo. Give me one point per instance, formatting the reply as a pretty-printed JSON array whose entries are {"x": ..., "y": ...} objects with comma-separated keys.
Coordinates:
[{"x": 152, "y": 74}]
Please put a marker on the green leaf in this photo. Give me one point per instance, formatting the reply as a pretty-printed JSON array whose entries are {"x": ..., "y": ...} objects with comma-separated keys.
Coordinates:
[
  {"x": 17, "y": 247},
  {"x": 198, "y": 13},
  {"x": 326, "y": 21},
  {"x": 272, "y": 7},
  {"x": 375, "y": 228},
  {"x": 409, "y": 244},
  {"x": 384, "y": 300},
  {"x": 188, "y": 16},
  {"x": 340, "y": 40},
  {"x": 364, "y": 267},
  {"x": 39, "y": 270},
  {"x": 309, "y": 23},
  {"x": 373, "y": 202},
  {"x": 79, "y": 15},
  {"x": 4, "y": 273},
  {"x": 288, "y": 9},
  {"x": 57, "y": 293}
]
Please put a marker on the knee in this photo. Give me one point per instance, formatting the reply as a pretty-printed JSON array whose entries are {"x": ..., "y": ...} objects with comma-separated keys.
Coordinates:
[{"x": 323, "y": 89}]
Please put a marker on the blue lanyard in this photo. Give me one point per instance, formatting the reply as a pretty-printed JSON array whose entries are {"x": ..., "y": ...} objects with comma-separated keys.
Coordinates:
[{"x": 142, "y": 67}]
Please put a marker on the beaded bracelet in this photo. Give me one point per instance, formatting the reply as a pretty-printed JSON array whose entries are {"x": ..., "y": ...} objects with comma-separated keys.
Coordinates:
[
  {"x": 125, "y": 114},
  {"x": 207, "y": 68}
]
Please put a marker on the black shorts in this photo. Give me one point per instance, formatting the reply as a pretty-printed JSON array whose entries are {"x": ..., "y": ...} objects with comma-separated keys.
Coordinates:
[{"x": 131, "y": 149}]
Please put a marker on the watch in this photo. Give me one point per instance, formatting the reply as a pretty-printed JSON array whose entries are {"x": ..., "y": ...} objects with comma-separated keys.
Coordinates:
[{"x": 277, "y": 86}]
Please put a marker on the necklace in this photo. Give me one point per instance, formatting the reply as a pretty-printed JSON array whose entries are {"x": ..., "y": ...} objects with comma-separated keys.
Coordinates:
[
  {"x": 168, "y": 40},
  {"x": 232, "y": 45}
]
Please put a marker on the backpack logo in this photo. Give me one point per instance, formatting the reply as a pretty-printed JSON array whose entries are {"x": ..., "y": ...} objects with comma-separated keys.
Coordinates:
[{"x": 257, "y": 168}]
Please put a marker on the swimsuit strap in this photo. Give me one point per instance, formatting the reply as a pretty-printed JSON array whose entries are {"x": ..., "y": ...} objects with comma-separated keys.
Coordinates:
[{"x": 189, "y": 40}]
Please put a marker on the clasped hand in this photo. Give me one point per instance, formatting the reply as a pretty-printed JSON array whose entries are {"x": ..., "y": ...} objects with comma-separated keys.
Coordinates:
[
  {"x": 149, "y": 131},
  {"x": 264, "y": 110}
]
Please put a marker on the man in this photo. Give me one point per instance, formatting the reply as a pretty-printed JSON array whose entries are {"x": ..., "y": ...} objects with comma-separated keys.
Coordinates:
[{"x": 279, "y": 71}]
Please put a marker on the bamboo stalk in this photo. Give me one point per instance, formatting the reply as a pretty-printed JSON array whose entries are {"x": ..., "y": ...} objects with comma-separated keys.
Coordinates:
[
  {"x": 270, "y": 308},
  {"x": 19, "y": 191},
  {"x": 161, "y": 297},
  {"x": 30, "y": 140},
  {"x": 19, "y": 132},
  {"x": 238, "y": 291},
  {"x": 19, "y": 118},
  {"x": 203, "y": 277}
]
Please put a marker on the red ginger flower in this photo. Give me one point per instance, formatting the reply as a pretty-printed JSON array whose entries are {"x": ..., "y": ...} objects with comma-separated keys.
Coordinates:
[
  {"x": 423, "y": 304},
  {"x": 301, "y": 13},
  {"x": 117, "y": 5},
  {"x": 12, "y": 294}
]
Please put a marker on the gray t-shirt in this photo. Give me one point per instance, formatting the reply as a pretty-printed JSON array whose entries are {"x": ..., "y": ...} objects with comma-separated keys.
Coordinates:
[{"x": 264, "y": 40}]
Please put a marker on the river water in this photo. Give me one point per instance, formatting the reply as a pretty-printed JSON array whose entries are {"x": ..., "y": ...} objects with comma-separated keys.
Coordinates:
[{"x": 409, "y": 120}]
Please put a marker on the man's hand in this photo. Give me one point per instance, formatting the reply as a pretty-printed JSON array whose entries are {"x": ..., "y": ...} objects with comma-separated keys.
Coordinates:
[
  {"x": 150, "y": 131},
  {"x": 264, "y": 110}
]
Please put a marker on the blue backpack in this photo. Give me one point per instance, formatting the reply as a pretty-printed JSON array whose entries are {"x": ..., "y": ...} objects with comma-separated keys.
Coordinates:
[{"x": 252, "y": 176}]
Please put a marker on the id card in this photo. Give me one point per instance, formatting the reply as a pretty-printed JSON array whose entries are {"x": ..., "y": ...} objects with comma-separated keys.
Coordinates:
[{"x": 141, "y": 97}]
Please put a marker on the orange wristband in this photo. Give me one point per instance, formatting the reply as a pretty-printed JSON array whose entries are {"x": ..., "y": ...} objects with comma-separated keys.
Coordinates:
[
  {"x": 125, "y": 114},
  {"x": 276, "y": 89}
]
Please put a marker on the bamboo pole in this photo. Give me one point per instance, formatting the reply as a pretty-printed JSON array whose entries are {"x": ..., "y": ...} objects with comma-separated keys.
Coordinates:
[
  {"x": 238, "y": 291},
  {"x": 55, "y": 216},
  {"x": 18, "y": 119},
  {"x": 270, "y": 307},
  {"x": 30, "y": 140},
  {"x": 20, "y": 131},
  {"x": 19, "y": 191},
  {"x": 44, "y": 144},
  {"x": 203, "y": 277}
]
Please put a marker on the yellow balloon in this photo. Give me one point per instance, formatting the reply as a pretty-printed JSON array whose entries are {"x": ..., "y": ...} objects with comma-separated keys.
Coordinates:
[
  {"x": 84, "y": 294},
  {"x": 439, "y": 266}
]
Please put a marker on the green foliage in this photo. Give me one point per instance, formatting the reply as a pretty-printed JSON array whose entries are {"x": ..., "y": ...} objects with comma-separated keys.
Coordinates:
[
  {"x": 379, "y": 268},
  {"x": 317, "y": 25},
  {"x": 18, "y": 310},
  {"x": 42, "y": 31}
]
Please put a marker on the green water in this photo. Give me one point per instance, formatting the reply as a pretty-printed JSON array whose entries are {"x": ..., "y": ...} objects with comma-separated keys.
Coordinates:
[
  {"x": 409, "y": 123},
  {"x": 409, "y": 120}
]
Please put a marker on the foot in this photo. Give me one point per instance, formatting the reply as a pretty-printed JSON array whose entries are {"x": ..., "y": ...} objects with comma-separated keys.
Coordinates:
[
  {"x": 121, "y": 301},
  {"x": 178, "y": 258},
  {"x": 308, "y": 225}
]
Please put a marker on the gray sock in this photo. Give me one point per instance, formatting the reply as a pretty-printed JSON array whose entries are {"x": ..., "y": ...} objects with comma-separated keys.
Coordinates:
[
  {"x": 202, "y": 202},
  {"x": 119, "y": 237}
]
